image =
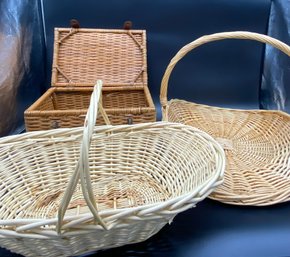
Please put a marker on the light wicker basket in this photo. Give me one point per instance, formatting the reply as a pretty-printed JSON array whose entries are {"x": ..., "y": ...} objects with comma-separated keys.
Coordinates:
[
  {"x": 134, "y": 180},
  {"x": 81, "y": 56},
  {"x": 256, "y": 142}
]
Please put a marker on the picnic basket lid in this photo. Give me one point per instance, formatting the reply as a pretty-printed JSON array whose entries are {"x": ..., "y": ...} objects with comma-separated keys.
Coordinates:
[{"x": 116, "y": 56}]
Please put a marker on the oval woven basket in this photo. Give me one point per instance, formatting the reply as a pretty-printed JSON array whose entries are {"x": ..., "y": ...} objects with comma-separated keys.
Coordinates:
[
  {"x": 256, "y": 142},
  {"x": 134, "y": 179}
]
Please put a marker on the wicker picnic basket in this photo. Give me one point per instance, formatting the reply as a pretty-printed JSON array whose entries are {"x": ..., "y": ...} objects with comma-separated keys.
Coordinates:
[
  {"x": 82, "y": 56},
  {"x": 134, "y": 180},
  {"x": 256, "y": 142}
]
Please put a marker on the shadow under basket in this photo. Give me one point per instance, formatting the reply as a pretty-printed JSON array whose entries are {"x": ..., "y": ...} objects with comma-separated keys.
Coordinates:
[{"x": 67, "y": 107}]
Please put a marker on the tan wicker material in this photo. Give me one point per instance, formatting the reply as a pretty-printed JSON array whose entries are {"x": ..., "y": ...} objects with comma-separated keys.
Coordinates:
[
  {"x": 67, "y": 107},
  {"x": 81, "y": 56},
  {"x": 134, "y": 180},
  {"x": 256, "y": 142}
]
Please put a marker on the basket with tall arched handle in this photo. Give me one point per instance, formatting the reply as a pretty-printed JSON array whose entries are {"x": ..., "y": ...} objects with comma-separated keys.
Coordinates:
[
  {"x": 256, "y": 142},
  {"x": 134, "y": 179}
]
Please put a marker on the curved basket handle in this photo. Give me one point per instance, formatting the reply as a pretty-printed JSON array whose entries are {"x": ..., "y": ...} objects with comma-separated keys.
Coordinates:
[
  {"x": 82, "y": 169},
  {"x": 209, "y": 38}
]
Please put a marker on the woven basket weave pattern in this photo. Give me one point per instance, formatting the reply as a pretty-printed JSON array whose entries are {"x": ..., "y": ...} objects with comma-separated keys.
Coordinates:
[
  {"x": 134, "y": 180},
  {"x": 111, "y": 55},
  {"x": 69, "y": 121},
  {"x": 256, "y": 142},
  {"x": 63, "y": 100},
  {"x": 81, "y": 56},
  {"x": 79, "y": 244},
  {"x": 67, "y": 108},
  {"x": 256, "y": 147}
]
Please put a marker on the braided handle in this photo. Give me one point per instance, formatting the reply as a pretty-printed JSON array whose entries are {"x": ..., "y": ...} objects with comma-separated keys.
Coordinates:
[
  {"x": 209, "y": 38},
  {"x": 82, "y": 169}
]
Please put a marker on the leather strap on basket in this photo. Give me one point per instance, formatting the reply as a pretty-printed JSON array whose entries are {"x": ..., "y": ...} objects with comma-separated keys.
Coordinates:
[
  {"x": 206, "y": 39},
  {"x": 128, "y": 27},
  {"x": 82, "y": 169}
]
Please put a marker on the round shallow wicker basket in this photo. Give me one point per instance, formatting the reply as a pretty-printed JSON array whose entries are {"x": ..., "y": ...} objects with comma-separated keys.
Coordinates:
[
  {"x": 256, "y": 142},
  {"x": 134, "y": 179}
]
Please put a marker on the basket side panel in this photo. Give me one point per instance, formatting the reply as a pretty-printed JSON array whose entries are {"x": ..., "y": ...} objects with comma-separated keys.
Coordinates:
[
  {"x": 74, "y": 100},
  {"x": 37, "y": 121},
  {"x": 112, "y": 99},
  {"x": 47, "y": 104},
  {"x": 84, "y": 243},
  {"x": 124, "y": 99}
]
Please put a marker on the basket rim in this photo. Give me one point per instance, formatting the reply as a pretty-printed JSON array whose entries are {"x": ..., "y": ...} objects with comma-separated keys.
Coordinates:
[
  {"x": 231, "y": 109},
  {"x": 33, "y": 108},
  {"x": 257, "y": 197},
  {"x": 133, "y": 110},
  {"x": 101, "y": 30}
]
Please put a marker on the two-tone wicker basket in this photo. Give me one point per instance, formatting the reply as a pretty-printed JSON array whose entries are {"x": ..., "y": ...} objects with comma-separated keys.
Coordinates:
[
  {"x": 82, "y": 56},
  {"x": 256, "y": 142},
  {"x": 134, "y": 180}
]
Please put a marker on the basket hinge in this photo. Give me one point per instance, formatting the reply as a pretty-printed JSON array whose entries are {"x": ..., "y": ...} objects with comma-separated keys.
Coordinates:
[
  {"x": 75, "y": 25},
  {"x": 128, "y": 26}
]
